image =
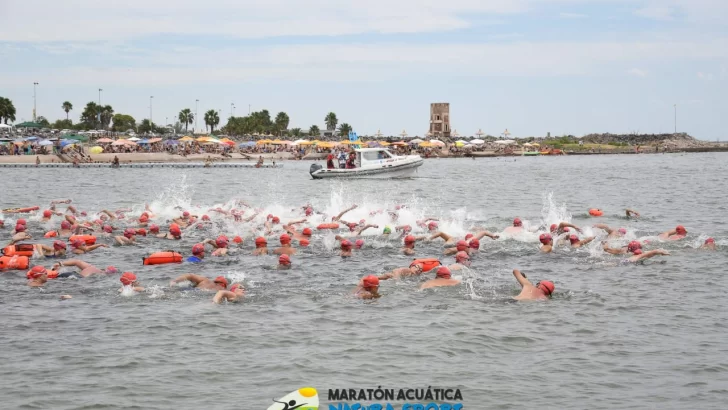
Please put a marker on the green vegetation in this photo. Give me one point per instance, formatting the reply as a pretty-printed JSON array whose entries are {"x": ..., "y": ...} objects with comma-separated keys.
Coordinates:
[
  {"x": 186, "y": 117},
  {"x": 7, "y": 110}
]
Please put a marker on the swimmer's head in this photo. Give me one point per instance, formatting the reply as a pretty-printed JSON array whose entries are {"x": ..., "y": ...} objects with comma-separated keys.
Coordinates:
[
  {"x": 345, "y": 245},
  {"x": 709, "y": 241},
  {"x": 237, "y": 288},
  {"x": 553, "y": 227},
  {"x": 237, "y": 239},
  {"x": 307, "y": 231},
  {"x": 462, "y": 245},
  {"x": 111, "y": 270},
  {"x": 362, "y": 222},
  {"x": 370, "y": 282},
  {"x": 409, "y": 240},
  {"x": 566, "y": 229},
  {"x": 359, "y": 243},
  {"x": 474, "y": 244},
  {"x": 517, "y": 222},
  {"x": 284, "y": 260},
  {"x": 36, "y": 272},
  {"x": 546, "y": 287},
  {"x": 622, "y": 231},
  {"x": 153, "y": 228},
  {"x": 545, "y": 238},
  {"x": 432, "y": 225},
  {"x": 59, "y": 245},
  {"x": 185, "y": 214},
  {"x": 128, "y": 279},
  {"x": 220, "y": 280},
  {"x": 77, "y": 243},
  {"x": 260, "y": 242},
  {"x": 352, "y": 226},
  {"x": 21, "y": 221},
  {"x": 638, "y": 252},
  {"x": 141, "y": 231},
  {"x": 680, "y": 230},
  {"x": 221, "y": 242},
  {"x": 269, "y": 217},
  {"x": 443, "y": 272},
  {"x": 387, "y": 230},
  {"x": 47, "y": 213},
  {"x": 205, "y": 218},
  {"x": 309, "y": 211},
  {"x": 198, "y": 249},
  {"x": 144, "y": 218},
  {"x": 304, "y": 242},
  {"x": 406, "y": 228},
  {"x": 573, "y": 239},
  {"x": 275, "y": 220},
  {"x": 462, "y": 258},
  {"x": 107, "y": 229},
  {"x": 634, "y": 245},
  {"x": 129, "y": 233},
  {"x": 175, "y": 230},
  {"x": 19, "y": 228},
  {"x": 468, "y": 236},
  {"x": 285, "y": 239}
]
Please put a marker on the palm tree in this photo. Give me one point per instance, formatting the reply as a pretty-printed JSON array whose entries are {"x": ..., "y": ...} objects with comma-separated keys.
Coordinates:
[
  {"x": 186, "y": 117},
  {"x": 282, "y": 121},
  {"x": 331, "y": 121},
  {"x": 67, "y": 106},
  {"x": 7, "y": 110},
  {"x": 314, "y": 131},
  {"x": 212, "y": 119},
  {"x": 107, "y": 113},
  {"x": 296, "y": 132},
  {"x": 344, "y": 130}
]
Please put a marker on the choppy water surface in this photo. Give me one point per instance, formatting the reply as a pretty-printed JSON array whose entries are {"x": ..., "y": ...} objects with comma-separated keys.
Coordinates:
[{"x": 614, "y": 336}]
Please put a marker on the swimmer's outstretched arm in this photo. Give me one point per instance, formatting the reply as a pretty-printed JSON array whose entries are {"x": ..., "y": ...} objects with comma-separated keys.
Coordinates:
[
  {"x": 251, "y": 217},
  {"x": 612, "y": 251},
  {"x": 481, "y": 234},
  {"x": 191, "y": 277},
  {"x": 364, "y": 228},
  {"x": 586, "y": 241},
  {"x": 92, "y": 247},
  {"x": 563, "y": 225},
  {"x": 22, "y": 236},
  {"x": 300, "y": 221},
  {"x": 77, "y": 263},
  {"x": 61, "y": 201},
  {"x": 442, "y": 235},
  {"x": 630, "y": 212},
  {"x": 649, "y": 254},
  {"x": 337, "y": 217},
  {"x": 224, "y": 294},
  {"x": 109, "y": 214},
  {"x": 604, "y": 227},
  {"x": 521, "y": 278}
]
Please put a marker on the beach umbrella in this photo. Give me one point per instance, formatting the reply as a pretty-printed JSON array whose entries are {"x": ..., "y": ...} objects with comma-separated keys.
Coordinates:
[
  {"x": 133, "y": 139},
  {"x": 5, "y": 126},
  {"x": 145, "y": 141},
  {"x": 477, "y": 142},
  {"x": 171, "y": 142},
  {"x": 119, "y": 142},
  {"x": 277, "y": 142},
  {"x": 186, "y": 138},
  {"x": 32, "y": 138},
  {"x": 426, "y": 144},
  {"x": 65, "y": 144},
  {"x": 45, "y": 143},
  {"x": 96, "y": 150},
  {"x": 505, "y": 142},
  {"x": 527, "y": 145},
  {"x": 155, "y": 140},
  {"x": 104, "y": 141},
  {"x": 535, "y": 144},
  {"x": 436, "y": 142},
  {"x": 416, "y": 141},
  {"x": 460, "y": 143},
  {"x": 306, "y": 143}
]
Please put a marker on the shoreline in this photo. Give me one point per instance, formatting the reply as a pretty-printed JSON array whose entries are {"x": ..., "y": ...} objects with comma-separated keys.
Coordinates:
[{"x": 163, "y": 157}]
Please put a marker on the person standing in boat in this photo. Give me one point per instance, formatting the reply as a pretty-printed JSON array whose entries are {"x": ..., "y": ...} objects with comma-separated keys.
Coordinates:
[
  {"x": 330, "y": 161},
  {"x": 342, "y": 159},
  {"x": 351, "y": 162}
]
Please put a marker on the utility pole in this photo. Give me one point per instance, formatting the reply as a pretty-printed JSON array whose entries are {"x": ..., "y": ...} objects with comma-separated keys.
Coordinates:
[
  {"x": 196, "y": 103},
  {"x": 98, "y": 116},
  {"x": 34, "y": 106},
  {"x": 232, "y": 108},
  {"x": 248, "y": 109},
  {"x": 151, "y": 122}
]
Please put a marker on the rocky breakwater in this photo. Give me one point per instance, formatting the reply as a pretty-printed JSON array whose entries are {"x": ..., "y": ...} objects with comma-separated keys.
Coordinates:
[{"x": 672, "y": 141}]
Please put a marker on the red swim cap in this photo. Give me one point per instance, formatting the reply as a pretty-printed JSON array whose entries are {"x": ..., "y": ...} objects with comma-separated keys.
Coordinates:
[
  {"x": 285, "y": 239},
  {"x": 153, "y": 228},
  {"x": 622, "y": 231},
  {"x": 284, "y": 260},
  {"x": 709, "y": 240},
  {"x": 276, "y": 220},
  {"x": 634, "y": 245},
  {"x": 352, "y": 226},
  {"x": 304, "y": 242},
  {"x": 236, "y": 286},
  {"x": 221, "y": 281},
  {"x": 36, "y": 272},
  {"x": 638, "y": 251},
  {"x": 517, "y": 222},
  {"x": 573, "y": 239},
  {"x": 461, "y": 256},
  {"x": 468, "y": 236},
  {"x": 359, "y": 243},
  {"x": 238, "y": 239},
  {"x": 19, "y": 228},
  {"x": 21, "y": 221},
  {"x": 432, "y": 225},
  {"x": 129, "y": 233},
  {"x": 260, "y": 242},
  {"x": 269, "y": 216},
  {"x": 144, "y": 218},
  {"x": 461, "y": 245},
  {"x": 221, "y": 242},
  {"x": 174, "y": 230},
  {"x": 409, "y": 239},
  {"x": 307, "y": 231},
  {"x": 47, "y": 213},
  {"x": 205, "y": 218},
  {"x": 127, "y": 278},
  {"x": 474, "y": 243},
  {"x": 546, "y": 287},
  {"x": 185, "y": 214},
  {"x": 198, "y": 249},
  {"x": 553, "y": 227},
  {"x": 406, "y": 228},
  {"x": 567, "y": 229},
  {"x": 107, "y": 228},
  {"x": 345, "y": 245},
  {"x": 141, "y": 231},
  {"x": 309, "y": 211},
  {"x": 681, "y": 230},
  {"x": 443, "y": 272},
  {"x": 77, "y": 243},
  {"x": 58, "y": 245},
  {"x": 370, "y": 281},
  {"x": 545, "y": 238}
]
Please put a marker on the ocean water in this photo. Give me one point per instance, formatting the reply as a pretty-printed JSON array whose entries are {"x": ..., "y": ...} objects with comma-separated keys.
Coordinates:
[{"x": 614, "y": 336}]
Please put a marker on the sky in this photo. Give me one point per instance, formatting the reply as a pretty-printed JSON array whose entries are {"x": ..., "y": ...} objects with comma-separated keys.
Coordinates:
[{"x": 529, "y": 66}]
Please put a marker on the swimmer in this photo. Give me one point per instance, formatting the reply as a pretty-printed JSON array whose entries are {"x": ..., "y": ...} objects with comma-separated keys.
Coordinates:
[
  {"x": 58, "y": 249},
  {"x": 576, "y": 243},
  {"x": 630, "y": 213},
  {"x": 235, "y": 294},
  {"x": 127, "y": 238},
  {"x": 338, "y": 217},
  {"x": 345, "y": 247},
  {"x": 449, "y": 240},
  {"x": 201, "y": 282},
  {"x": 174, "y": 233},
  {"x": 144, "y": 219},
  {"x": 640, "y": 256},
  {"x": 85, "y": 269},
  {"x": 547, "y": 242},
  {"x": 38, "y": 276},
  {"x": 284, "y": 262},
  {"x": 631, "y": 247},
  {"x": 66, "y": 229},
  {"x": 359, "y": 243},
  {"x": 80, "y": 247},
  {"x": 220, "y": 244},
  {"x": 462, "y": 260},
  {"x": 611, "y": 232},
  {"x": 285, "y": 248},
  {"x": 414, "y": 269},
  {"x": 304, "y": 234},
  {"x": 562, "y": 227},
  {"x": 20, "y": 236},
  {"x": 460, "y": 246},
  {"x": 442, "y": 278},
  {"x": 675, "y": 234},
  {"x": 198, "y": 253},
  {"x": 19, "y": 227},
  {"x": 409, "y": 244},
  {"x": 130, "y": 279},
  {"x": 516, "y": 228},
  {"x": 709, "y": 244},
  {"x": 261, "y": 246},
  {"x": 368, "y": 288},
  {"x": 541, "y": 291},
  {"x": 48, "y": 214}
]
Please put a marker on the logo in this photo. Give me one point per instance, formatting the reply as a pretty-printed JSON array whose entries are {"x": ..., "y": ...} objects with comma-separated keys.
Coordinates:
[
  {"x": 352, "y": 136},
  {"x": 305, "y": 398}
]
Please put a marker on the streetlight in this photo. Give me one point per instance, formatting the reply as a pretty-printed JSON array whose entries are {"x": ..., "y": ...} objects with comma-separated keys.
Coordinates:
[
  {"x": 34, "y": 106},
  {"x": 196, "y": 102},
  {"x": 248, "y": 109},
  {"x": 98, "y": 115},
  {"x": 232, "y": 109}
]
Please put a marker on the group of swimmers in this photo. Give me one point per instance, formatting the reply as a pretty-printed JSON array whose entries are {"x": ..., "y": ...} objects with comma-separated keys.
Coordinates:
[{"x": 77, "y": 227}]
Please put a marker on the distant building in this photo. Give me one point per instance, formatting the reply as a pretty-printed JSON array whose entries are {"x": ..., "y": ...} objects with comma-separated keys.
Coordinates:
[{"x": 440, "y": 120}]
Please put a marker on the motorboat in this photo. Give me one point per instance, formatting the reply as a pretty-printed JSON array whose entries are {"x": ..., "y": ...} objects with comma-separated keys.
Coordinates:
[{"x": 372, "y": 163}]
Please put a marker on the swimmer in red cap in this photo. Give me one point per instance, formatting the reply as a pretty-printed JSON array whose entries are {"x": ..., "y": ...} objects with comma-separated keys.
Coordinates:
[
  {"x": 414, "y": 269},
  {"x": 285, "y": 248},
  {"x": 284, "y": 262},
  {"x": 175, "y": 232},
  {"x": 462, "y": 259},
  {"x": 261, "y": 246},
  {"x": 368, "y": 288},
  {"x": 79, "y": 246},
  {"x": 443, "y": 277},
  {"x": 127, "y": 238},
  {"x": 541, "y": 291},
  {"x": 631, "y": 247},
  {"x": 130, "y": 279},
  {"x": 562, "y": 227},
  {"x": 85, "y": 269},
  {"x": 201, "y": 282},
  {"x": 409, "y": 244},
  {"x": 639, "y": 255},
  {"x": 675, "y": 234},
  {"x": 345, "y": 248},
  {"x": 220, "y": 244},
  {"x": 304, "y": 242},
  {"x": 38, "y": 276},
  {"x": 235, "y": 294},
  {"x": 58, "y": 249},
  {"x": 611, "y": 232},
  {"x": 359, "y": 244},
  {"x": 304, "y": 234},
  {"x": 516, "y": 228},
  {"x": 65, "y": 230},
  {"x": 576, "y": 243},
  {"x": 154, "y": 229},
  {"x": 709, "y": 244},
  {"x": 451, "y": 240},
  {"x": 338, "y": 217},
  {"x": 547, "y": 242}
]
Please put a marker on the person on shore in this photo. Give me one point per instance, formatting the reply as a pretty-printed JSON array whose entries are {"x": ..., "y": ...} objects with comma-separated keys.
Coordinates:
[
  {"x": 674, "y": 234},
  {"x": 261, "y": 246},
  {"x": 85, "y": 269},
  {"x": 709, "y": 244},
  {"x": 368, "y": 288},
  {"x": 285, "y": 248},
  {"x": 576, "y": 243},
  {"x": 129, "y": 280},
  {"x": 611, "y": 232},
  {"x": 201, "y": 282},
  {"x": 115, "y": 162},
  {"x": 330, "y": 161},
  {"x": 542, "y": 291},
  {"x": 443, "y": 277},
  {"x": 235, "y": 294},
  {"x": 284, "y": 262}
]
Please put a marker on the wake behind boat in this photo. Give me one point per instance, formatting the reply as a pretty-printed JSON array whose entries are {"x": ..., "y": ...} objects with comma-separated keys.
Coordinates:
[{"x": 370, "y": 163}]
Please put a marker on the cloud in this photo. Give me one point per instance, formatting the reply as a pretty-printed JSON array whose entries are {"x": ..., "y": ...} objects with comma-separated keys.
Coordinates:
[
  {"x": 637, "y": 72},
  {"x": 572, "y": 15}
]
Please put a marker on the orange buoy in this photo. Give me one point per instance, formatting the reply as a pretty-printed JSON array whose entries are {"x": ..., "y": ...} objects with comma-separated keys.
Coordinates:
[
  {"x": 596, "y": 212},
  {"x": 51, "y": 274},
  {"x": 14, "y": 262},
  {"x": 88, "y": 239},
  {"x": 51, "y": 234},
  {"x": 161, "y": 258},
  {"x": 332, "y": 225},
  {"x": 23, "y": 249},
  {"x": 22, "y": 210},
  {"x": 428, "y": 264}
]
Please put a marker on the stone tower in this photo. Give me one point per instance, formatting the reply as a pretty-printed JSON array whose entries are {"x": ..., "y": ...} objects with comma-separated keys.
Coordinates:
[{"x": 440, "y": 120}]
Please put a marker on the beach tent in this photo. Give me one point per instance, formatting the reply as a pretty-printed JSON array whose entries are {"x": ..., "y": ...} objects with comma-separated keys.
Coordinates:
[
  {"x": 460, "y": 143},
  {"x": 76, "y": 137},
  {"x": 28, "y": 125},
  {"x": 66, "y": 143},
  {"x": 45, "y": 143},
  {"x": 477, "y": 142},
  {"x": 119, "y": 142},
  {"x": 155, "y": 140},
  {"x": 527, "y": 145},
  {"x": 133, "y": 139},
  {"x": 416, "y": 141},
  {"x": 5, "y": 126},
  {"x": 186, "y": 139},
  {"x": 505, "y": 142},
  {"x": 426, "y": 144}
]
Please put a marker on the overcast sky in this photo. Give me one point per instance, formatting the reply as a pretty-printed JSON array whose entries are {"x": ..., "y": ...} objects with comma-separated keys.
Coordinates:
[{"x": 532, "y": 66}]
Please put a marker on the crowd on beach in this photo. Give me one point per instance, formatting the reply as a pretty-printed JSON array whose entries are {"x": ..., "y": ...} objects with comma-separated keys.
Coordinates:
[{"x": 75, "y": 233}]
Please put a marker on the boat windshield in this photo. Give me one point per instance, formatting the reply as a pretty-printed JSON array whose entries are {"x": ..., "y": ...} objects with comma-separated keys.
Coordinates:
[{"x": 376, "y": 155}]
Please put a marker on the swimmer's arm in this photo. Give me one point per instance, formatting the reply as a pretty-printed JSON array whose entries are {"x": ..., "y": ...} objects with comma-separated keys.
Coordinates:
[
  {"x": 223, "y": 294},
  {"x": 521, "y": 278},
  {"x": 612, "y": 251},
  {"x": 388, "y": 275},
  {"x": 481, "y": 234},
  {"x": 421, "y": 238},
  {"x": 251, "y": 217},
  {"x": 92, "y": 247},
  {"x": 450, "y": 251},
  {"x": 604, "y": 227},
  {"x": 196, "y": 279},
  {"x": 339, "y": 238},
  {"x": 210, "y": 242},
  {"x": 650, "y": 254},
  {"x": 586, "y": 241},
  {"x": 359, "y": 231},
  {"x": 120, "y": 240},
  {"x": 630, "y": 212},
  {"x": 563, "y": 225},
  {"x": 109, "y": 214},
  {"x": 338, "y": 217},
  {"x": 300, "y": 221}
]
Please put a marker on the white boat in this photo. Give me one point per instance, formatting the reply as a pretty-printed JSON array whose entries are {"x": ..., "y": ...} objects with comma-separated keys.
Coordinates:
[{"x": 372, "y": 163}]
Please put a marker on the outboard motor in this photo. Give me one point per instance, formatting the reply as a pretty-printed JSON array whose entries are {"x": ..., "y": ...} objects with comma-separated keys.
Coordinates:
[{"x": 314, "y": 168}]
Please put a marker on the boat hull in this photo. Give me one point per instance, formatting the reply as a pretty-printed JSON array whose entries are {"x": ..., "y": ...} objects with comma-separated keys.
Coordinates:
[{"x": 384, "y": 172}]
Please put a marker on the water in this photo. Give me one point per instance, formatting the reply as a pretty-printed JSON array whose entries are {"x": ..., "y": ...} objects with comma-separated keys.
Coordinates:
[{"x": 613, "y": 336}]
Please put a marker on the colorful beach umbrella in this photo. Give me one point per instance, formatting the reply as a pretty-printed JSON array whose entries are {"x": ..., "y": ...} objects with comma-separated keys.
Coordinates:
[{"x": 96, "y": 150}]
